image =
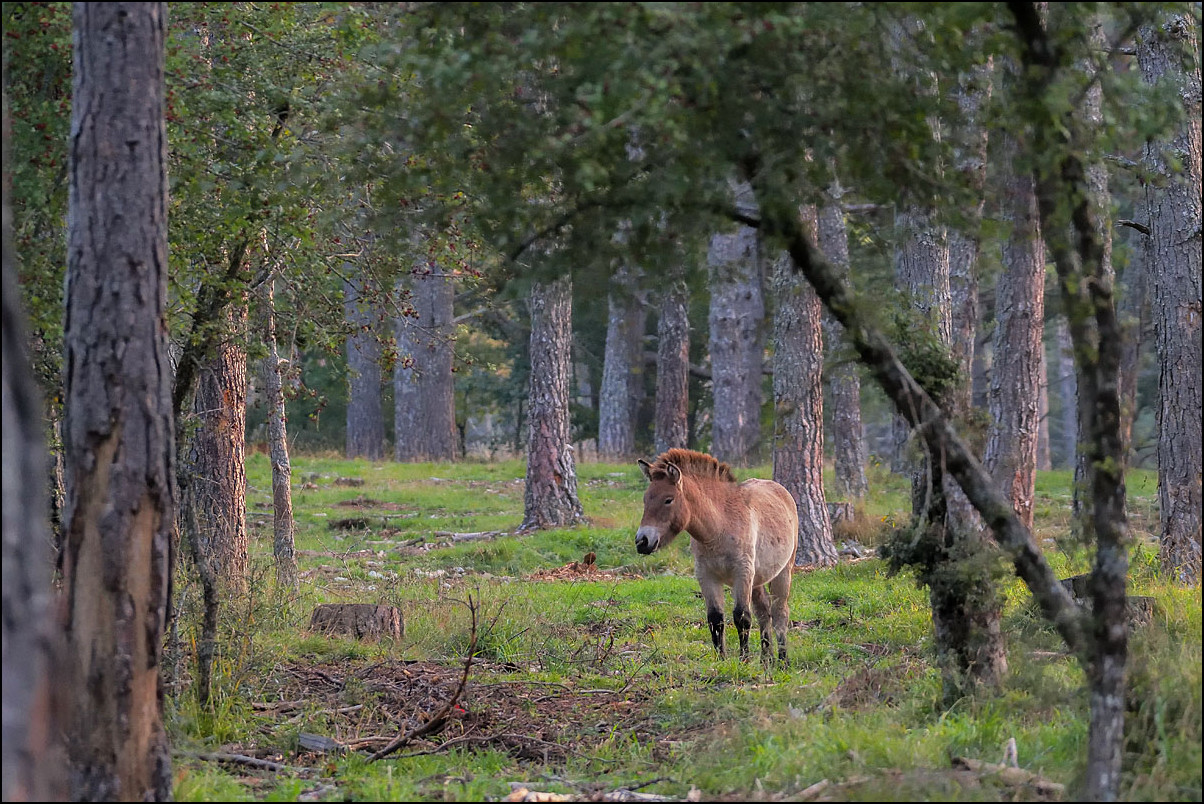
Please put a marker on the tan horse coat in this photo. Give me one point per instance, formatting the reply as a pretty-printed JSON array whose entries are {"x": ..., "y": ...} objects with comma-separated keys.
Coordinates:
[{"x": 743, "y": 535}]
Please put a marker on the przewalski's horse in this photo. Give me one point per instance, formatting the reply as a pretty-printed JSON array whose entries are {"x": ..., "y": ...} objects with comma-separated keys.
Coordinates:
[{"x": 743, "y": 535}]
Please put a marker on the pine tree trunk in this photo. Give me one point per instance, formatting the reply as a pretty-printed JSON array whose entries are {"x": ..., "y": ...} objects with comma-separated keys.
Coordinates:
[
  {"x": 1068, "y": 391},
  {"x": 216, "y": 461},
  {"x": 1133, "y": 320},
  {"x": 673, "y": 368},
  {"x": 551, "y": 491},
  {"x": 798, "y": 400},
  {"x": 1043, "y": 461},
  {"x": 848, "y": 434},
  {"x": 1175, "y": 215},
  {"x": 365, "y": 419},
  {"x": 736, "y": 341},
  {"x": 282, "y": 471},
  {"x": 33, "y": 768},
  {"x": 117, "y": 426},
  {"x": 616, "y": 425},
  {"x": 1011, "y": 454},
  {"x": 424, "y": 389}
]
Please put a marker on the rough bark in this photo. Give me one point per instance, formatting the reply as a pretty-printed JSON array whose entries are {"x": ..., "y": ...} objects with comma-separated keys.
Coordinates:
[
  {"x": 622, "y": 355},
  {"x": 1175, "y": 218},
  {"x": 282, "y": 471},
  {"x": 117, "y": 427},
  {"x": 673, "y": 368},
  {"x": 550, "y": 499},
  {"x": 215, "y": 501},
  {"x": 844, "y": 382},
  {"x": 798, "y": 401},
  {"x": 1011, "y": 453},
  {"x": 365, "y": 419},
  {"x": 33, "y": 768},
  {"x": 736, "y": 341},
  {"x": 424, "y": 389}
]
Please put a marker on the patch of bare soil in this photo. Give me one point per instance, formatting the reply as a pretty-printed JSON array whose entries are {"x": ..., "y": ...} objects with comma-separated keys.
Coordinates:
[{"x": 364, "y": 709}]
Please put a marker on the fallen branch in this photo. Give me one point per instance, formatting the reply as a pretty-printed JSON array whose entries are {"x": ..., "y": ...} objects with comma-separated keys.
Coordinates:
[
  {"x": 251, "y": 762},
  {"x": 1016, "y": 777},
  {"x": 435, "y": 721},
  {"x": 466, "y": 537}
]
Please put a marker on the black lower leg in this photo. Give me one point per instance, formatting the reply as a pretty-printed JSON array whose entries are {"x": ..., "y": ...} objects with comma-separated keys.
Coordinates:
[
  {"x": 715, "y": 621},
  {"x": 743, "y": 623}
]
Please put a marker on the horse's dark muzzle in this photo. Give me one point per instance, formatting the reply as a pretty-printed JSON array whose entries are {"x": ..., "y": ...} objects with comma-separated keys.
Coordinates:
[{"x": 642, "y": 546}]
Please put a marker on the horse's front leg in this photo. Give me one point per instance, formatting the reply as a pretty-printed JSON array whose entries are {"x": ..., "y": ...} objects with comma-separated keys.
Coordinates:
[
  {"x": 712, "y": 594},
  {"x": 742, "y": 612}
]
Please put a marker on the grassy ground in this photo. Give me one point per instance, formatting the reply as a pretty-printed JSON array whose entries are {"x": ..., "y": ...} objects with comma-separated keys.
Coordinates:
[{"x": 588, "y": 679}]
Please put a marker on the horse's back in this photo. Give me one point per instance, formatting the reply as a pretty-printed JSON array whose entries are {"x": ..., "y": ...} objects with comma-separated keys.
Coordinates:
[{"x": 777, "y": 524}]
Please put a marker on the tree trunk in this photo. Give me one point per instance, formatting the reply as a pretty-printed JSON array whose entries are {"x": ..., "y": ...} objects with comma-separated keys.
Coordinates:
[
  {"x": 34, "y": 689},
  {"x": 424, "y": 389},
  {"x": 282, "y": 470},
  {"x": 798, "y": 400},
  {"x": 216, "y": 500},
  {"x": 1011, "y": 454},
  {"x": 1133, "y": 320},
  {"x": 551, "y": 492},
  {"x": 737, "y": 341},
  {"x": 616, "y": 423},
  {"x": 365, "y": 420},
  {"x": 848, "y": 435},
  {"x": 1043, "y": 461},
  {"x": 1175, "y": 215},
  {"x": 1068, "y": 391},
  {"x": 118, "y": 433},
  {"x": 673, "y": 367}
]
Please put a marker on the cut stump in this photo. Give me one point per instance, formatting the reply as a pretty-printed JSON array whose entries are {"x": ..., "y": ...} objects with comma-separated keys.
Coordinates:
[
  {"x": 360, "y": 620},
  {"x": 1139, "y": 607}
]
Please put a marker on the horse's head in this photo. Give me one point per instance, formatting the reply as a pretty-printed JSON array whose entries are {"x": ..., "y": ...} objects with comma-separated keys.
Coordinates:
[{"x": 665, "y": 509}]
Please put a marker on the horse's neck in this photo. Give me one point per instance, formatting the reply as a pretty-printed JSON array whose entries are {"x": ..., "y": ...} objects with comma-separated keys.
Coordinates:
[{"x": 706, "y": 510}]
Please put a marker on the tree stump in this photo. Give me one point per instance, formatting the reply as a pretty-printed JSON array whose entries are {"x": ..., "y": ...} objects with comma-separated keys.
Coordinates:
[
  {"x": 1139, "y": 607},
  {"x": 360, "y": 620}
]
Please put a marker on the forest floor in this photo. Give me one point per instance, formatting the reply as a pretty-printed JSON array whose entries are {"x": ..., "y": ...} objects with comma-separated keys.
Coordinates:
[{"x": 592, "y": 676}]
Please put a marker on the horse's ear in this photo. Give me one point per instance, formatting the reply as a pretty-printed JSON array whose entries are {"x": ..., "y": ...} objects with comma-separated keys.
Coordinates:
[
  {"x": 673, "y": 472},
  {"x": 645, "y": 467}
]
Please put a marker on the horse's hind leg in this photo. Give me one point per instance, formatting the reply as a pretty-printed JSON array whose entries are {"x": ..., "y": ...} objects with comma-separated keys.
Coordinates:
[
  {"x": 760, "y": 604},
  {"x": 779, "y": 594}
]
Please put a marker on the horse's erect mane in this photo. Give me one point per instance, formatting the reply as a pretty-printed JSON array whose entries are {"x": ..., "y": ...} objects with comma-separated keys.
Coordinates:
[{"x": 695, "y": 464}]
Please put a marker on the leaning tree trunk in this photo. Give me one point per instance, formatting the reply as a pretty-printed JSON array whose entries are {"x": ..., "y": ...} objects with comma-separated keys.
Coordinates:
[
  {"x": 673, "y": 367},
  {"x": 282, "y": 470},
  {"x": 848, "y": 435},
  {"x": 551, "y": 492},
  {"x": 1175, "y": 217},
  {"x": 1043, "y": 462},
  {"x": 1011, "y": 454},
  {"x": 365, "y": 420},
  {"x": 616, "y": 425},
  {"x": 737, "y": 340},
  {"x": 423, "y": 385},
  {"x": 1132, "y": 312},
  {"x": 798, "y": 401},
  {"x": 34, "y": 690},
  {"x": 118, "y": 433}
]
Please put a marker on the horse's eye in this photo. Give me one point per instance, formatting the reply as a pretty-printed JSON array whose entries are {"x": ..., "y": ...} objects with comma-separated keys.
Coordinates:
[{"x": 668, "y": 501}]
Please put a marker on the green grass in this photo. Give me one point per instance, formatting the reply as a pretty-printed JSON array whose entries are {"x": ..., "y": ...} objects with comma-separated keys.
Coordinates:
[{"x": 615, "y": 676}]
